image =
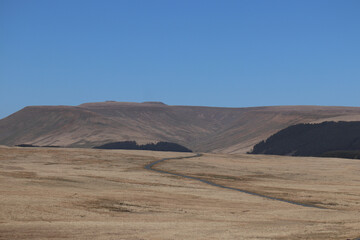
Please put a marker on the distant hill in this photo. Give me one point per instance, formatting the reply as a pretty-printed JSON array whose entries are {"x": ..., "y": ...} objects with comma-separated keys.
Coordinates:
[
  {"x": 204, "y": 129},
  {"x": 132, "y": 145},
  {"x": 330, "y": 139}
]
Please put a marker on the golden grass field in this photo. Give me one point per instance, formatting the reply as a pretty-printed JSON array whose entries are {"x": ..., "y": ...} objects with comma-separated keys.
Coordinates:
[{"x": 107, "y": 194}]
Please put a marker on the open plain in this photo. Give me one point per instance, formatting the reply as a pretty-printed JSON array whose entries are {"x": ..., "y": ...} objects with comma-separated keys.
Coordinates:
[{"x": 56, "y": 193}]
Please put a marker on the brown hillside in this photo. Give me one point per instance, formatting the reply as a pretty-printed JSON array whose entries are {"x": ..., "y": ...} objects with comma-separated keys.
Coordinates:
[{"x": 207, "y": 129}]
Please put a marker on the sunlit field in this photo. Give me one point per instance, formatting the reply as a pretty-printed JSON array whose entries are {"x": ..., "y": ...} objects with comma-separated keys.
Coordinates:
[{"x": 48, "y": 193}]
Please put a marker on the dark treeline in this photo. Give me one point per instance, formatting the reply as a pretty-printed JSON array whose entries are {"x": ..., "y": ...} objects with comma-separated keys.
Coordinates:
[
  {"x": 26, "y": 145},
  {"x": 30, "y": 145},
  {"x": 132, "y": 145},
  {"x": 323, "y": 139},
  {"x": 342, "y": 154}
]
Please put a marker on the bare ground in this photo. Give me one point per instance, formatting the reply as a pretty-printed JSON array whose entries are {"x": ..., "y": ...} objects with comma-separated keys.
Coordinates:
[{"x": 107, "y": 194}]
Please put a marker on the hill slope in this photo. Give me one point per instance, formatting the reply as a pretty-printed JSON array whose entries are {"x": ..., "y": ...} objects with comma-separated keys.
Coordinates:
[
  {"x": 312, "y": 139},
  {"x": 206, "y": 129}
]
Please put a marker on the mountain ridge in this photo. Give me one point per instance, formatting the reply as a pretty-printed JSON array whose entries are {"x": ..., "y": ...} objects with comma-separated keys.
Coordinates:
[{"x": 201, "y": 128}]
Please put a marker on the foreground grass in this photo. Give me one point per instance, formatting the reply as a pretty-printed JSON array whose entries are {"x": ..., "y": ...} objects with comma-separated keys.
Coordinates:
[{"x": 106, "y": 194}]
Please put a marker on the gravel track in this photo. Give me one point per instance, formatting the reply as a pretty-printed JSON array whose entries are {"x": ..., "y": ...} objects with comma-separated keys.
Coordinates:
[{"x": 151, "y": 165}]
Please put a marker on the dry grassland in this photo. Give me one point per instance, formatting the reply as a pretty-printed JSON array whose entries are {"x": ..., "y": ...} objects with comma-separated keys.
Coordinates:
[{"x": 107, "y": 194}]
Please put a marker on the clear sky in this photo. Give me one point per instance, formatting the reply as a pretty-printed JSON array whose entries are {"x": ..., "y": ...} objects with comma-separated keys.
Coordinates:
[{"x": 211, "y": 53}]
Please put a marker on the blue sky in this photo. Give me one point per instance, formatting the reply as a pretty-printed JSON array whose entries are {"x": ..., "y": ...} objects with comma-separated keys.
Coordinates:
[{"x": 212, "y": 53}]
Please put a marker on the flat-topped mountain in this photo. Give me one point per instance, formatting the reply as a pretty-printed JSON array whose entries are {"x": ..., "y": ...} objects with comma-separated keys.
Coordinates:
[{"x": 206, "y": 129}]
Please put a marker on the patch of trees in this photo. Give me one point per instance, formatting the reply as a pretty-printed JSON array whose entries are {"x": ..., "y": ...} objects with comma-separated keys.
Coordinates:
[
  {"x": 342, "y": 154},
  {"x": 132, "y": 145},
  {"x": 30, "y": 145},
  {"x": 26, "y": 145},
  {"x": 322, "y": 139}
]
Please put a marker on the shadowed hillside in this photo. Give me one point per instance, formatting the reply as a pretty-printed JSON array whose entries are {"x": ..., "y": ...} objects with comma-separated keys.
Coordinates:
[
  {"x": 331, "y": 139},
  {"x": 205, "y": 129}
]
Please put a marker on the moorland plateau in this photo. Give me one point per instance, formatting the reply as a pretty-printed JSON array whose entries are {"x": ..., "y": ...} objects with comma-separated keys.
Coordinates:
[{"x": 62, "y": 193}]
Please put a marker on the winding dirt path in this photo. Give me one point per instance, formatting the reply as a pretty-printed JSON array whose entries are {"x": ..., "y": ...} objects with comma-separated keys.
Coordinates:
[{"x": 151, "y": 165}]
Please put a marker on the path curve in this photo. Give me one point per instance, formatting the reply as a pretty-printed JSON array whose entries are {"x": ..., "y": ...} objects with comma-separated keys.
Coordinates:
[{"x": 152, "y": 164}]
